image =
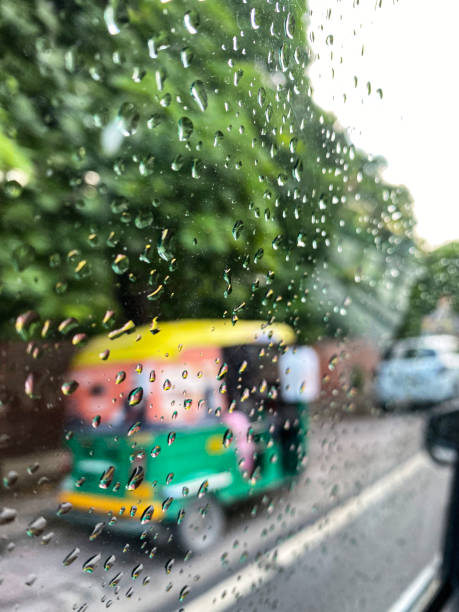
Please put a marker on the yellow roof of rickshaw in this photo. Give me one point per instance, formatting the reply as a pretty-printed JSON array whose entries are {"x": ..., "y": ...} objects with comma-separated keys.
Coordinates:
[{"x": 171, "y": 337}]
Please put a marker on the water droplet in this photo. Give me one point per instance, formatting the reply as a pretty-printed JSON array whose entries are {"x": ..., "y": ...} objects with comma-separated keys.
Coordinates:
[
  {"x": 261, "y": 97},
  {"x": 292, "y": 144},
  {"x": 166, "y": 503},
  {"x": 136, "y": 478},
  {"x": 297, "y": 170},
  {"x": 147, "y": 515},
  {"x": 152, "y": 376},
  {"x": 116, "y": 579},
  {"x": 332, "y": 363},
  {"x": 154, "y": 121},
  {"x": 166, "y": 100},
  {"x": 185, "y": 129},
  {"x": 63, "y": 508},
  {"x": 163, "y": 244},
  {"x": 96, "y": 421},
  {"x": 128, "y": 118},
  {"x": 191, "y": 21},
  {"x": 120, "y": 264},
  {"x": 115, "y": 17},
  {"x": 79, "y": 339},
  {"x": 237, "y": 229},
  {"x": 242, "y": 367},
  {"x": 161, "y": 76},
  {"x": 104, "y": 355},
  {"x": 120, "y": 377},
  {"x": 222, "y": 371},
  {"x": 37, "y": 526},
  {"x": 12, "y": 189},
  {"x": 227, "y": 438},
  {"x": 237, "y": 77},
  {"x": 98, "y": 528},
  {"x": 67, "y": 325},
  {"x": 109, "y": 562},
  {"x": 107, "y": 477},
  {"x": 186, "y": 55},
  {"x": 272, "y": 393},
  {"x": 167, "y": 385},
  {"x": 245, "y": 395},
  {"x": 177, "y": 162},
  {"x": 203, "y": 488},
  {"x": 227, "y": 279},
  {"x": 109, "y": 318},
  {"x": 169, "y": 565},
  {"x": 70, "y": 558},
  {"x": 31, "y": 578},
  {"x": 69, "y": 387},
  {"x": 184, "y": 592},
  {"x": 137, "y": 571},
  {"x": 155, "y": 451},
  {"x": 25, "y": 321},
  {"x": 29, "y": 387},
  {"x": 46, "y": 539},
  {"x": 290, "y": 26},
  {"x": 218, "y": 138},
  {"x": 171, "y": 438},
  {"x": 135, "y": 396},
  {"x": 284, "y": 57},
  {"x": 146, "y": 168},
  {"x": 196, "y": 167},
  {"x": 90, "y": 565},
  {"x": 199, "y": 94},
  {"x": 253, "y": 17},
  {"x": 82, "y": 269},
  {"x": 7, "y": 515},
  {"x": 138, "y": 455}
]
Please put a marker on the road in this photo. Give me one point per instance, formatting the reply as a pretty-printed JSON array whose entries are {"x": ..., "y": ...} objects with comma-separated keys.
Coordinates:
[{"x": 365, "y": 518}]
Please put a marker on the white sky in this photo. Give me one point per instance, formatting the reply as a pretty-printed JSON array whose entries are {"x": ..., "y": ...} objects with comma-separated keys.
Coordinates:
[{"x": 411, "y": 52}]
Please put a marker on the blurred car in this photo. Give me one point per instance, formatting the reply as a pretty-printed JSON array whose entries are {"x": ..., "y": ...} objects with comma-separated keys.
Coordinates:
[{"x": 418, "y": 371}]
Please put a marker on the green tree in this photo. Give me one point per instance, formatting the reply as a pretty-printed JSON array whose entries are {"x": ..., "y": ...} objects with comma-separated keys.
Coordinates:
[
  {"x": 167, "y": 159},
  {"x": 439, "y": 277}
]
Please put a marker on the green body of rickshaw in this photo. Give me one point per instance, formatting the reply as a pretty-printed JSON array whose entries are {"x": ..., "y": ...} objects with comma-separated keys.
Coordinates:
[{"x": 150, "y": 426}]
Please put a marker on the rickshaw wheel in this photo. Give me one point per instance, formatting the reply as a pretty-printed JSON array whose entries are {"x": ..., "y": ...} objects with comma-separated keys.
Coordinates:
[{"x": 202, "y": 525}]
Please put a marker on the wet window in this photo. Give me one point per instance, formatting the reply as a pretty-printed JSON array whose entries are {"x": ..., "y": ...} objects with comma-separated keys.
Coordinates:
[{"x": 229, "y": 302}]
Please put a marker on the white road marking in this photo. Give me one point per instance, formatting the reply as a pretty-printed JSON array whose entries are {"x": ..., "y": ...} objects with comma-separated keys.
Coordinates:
[
  {"x": 241, "y": 584},
  {"x": 415, "y": 591}
]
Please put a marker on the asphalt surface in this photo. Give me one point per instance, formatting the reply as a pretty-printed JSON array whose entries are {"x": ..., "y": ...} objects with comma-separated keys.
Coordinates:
[{"x": 364, "y": 519}]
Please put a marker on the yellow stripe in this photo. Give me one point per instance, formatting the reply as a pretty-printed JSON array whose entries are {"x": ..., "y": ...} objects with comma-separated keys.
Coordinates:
[
  {"x": 173, "y": 336},
  {"x": 106, "y": 503}
]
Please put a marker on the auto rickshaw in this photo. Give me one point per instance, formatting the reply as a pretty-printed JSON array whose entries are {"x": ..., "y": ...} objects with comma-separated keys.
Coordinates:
[{"x": 171, "y": 424}]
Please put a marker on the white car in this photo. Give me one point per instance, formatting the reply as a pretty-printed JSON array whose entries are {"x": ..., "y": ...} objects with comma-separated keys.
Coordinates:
[{"x": 421, "y": 370}]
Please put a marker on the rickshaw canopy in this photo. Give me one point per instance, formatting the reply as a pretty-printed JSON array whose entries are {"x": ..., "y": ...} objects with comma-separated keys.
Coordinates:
[{"x": 168, "y": 339}]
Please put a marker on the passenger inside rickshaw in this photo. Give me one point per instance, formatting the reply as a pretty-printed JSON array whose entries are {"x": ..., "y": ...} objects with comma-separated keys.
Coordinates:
[{"x": 254, "y": 393}]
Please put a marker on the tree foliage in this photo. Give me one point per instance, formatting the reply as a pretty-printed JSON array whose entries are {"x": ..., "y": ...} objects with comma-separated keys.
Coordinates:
[
  {"x": 438, "y": 278},
  {"x": 167, "y": 159}
]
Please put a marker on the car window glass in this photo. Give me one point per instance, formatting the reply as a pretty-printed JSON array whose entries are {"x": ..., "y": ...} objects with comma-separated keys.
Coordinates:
[{"x": 219, "y": 218}]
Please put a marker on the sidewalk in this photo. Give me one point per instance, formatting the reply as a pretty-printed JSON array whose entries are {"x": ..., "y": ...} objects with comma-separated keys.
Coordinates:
[{"x": 34, "y": 492}]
